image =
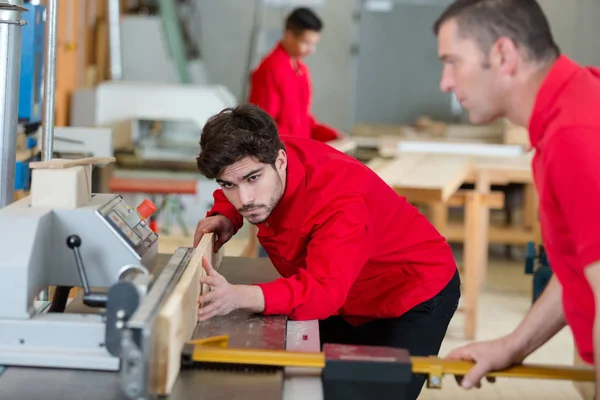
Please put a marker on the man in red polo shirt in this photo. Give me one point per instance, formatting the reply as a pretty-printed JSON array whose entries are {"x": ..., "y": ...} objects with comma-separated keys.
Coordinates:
[
  {"x": 351, "y": 252},
  {"x": 281, "y": 84},
  {"x": 500, "y": 60}
]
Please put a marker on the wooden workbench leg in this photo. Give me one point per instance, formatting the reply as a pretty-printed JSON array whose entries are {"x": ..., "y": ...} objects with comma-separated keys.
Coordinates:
[
  {"x": 483, "y": 185},
  {"x": 439, "y": 216},
  {"x": 471, "y": 259},
  {"x": 530, "y": 207}
]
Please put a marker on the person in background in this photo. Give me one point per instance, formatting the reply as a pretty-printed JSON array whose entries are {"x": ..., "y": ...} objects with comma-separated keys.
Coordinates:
[
  {"x": 281, "y": 84},
  {"x": 500, "y": 60}
]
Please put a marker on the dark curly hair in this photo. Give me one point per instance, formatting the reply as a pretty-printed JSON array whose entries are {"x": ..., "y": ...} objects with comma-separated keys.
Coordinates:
[{"x": 234, "y": 134}]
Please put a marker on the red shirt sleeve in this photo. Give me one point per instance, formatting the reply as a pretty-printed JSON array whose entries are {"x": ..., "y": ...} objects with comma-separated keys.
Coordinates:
[
  {"x": 573, "y": 169},
  {"x": 223, "y": 207},
  {"x": 322, "y": 132},
  {"x": 340, "y": 246},
  {"x": 264, "y": 92}
]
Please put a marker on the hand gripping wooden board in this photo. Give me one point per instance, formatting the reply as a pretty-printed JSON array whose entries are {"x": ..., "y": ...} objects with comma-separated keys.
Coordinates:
[{"x": 176, "y": 322}]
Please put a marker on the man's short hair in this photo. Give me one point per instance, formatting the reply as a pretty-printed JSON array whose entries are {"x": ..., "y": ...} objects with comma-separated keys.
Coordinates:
[
  {"x": 303, "y": 19},
  {"x": 234, "y": 134},
  {"x": 486, "y": 21}
]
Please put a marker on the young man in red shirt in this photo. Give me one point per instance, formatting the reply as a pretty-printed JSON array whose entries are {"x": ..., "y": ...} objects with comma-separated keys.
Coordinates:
[
  {"x": 351, "y": 252},
  {"x": 500, "y": 60},
  {"x": 281, "y": 84}
]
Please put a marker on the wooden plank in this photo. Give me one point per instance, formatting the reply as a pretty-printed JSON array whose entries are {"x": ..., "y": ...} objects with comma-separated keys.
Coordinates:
[
  {"x": 438, "y": 175},
  {"x": 464, "y": 149},
  {"x": 61, "y": 163},
  {"x": 177, "y": 320}
]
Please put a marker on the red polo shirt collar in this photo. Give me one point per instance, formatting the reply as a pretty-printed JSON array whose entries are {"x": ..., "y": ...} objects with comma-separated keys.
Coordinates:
[
  {"x": 282, "y": 54},
  {"x": 294, "y": 188},
  {"x": 551, "y": 88}
]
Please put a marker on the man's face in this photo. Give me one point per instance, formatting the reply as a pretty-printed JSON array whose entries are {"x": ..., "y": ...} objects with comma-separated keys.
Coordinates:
[
  {"x": 254, "y": 188},
  {"x": 303, "y": 44},
  {"x": 478, "y": 80}
]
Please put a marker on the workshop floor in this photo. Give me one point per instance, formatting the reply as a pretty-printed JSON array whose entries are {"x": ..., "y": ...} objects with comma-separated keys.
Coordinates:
[{"x": 505, "y": 300}]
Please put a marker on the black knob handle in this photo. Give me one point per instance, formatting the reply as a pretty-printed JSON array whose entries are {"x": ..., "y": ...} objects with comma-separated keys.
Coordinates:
[
  {"x": 89, "y": 298},
  {"x": 73, "y": 241}
]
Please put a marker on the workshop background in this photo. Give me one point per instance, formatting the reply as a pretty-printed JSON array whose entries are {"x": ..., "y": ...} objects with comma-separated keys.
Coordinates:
[{"x": 137, "y": 79}]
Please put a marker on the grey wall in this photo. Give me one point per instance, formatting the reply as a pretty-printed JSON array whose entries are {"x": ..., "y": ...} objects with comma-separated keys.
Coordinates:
[
  {"x": 225, "y": 30},
  {"x": 575, "y": 27}
]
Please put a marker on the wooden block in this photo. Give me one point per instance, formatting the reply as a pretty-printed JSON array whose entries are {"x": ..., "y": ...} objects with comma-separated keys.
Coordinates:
[
  {"x": 122, "y": 135},
  {"x": 176, "y": 322},
  {"x": 65, "y": 188},
  {"x": 61, "y": 163}
]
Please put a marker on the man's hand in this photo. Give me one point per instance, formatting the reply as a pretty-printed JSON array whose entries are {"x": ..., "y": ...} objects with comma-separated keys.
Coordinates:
[
  {"x": 488, "y": 356},
  {"x": 218, "y": 224},
  {"x": 224, "y": 297}
]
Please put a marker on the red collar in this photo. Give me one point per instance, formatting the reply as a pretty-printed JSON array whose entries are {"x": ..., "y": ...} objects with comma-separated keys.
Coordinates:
[
  {"x": 283, "y": 55},
  {"x": 295, "y": 183},
  {"x": 545, "y": 107}
]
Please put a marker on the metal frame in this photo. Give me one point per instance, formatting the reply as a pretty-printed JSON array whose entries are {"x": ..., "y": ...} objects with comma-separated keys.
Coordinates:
[
  {"x": 11, "y": 20},
  {"x": 136, "y": 337}
]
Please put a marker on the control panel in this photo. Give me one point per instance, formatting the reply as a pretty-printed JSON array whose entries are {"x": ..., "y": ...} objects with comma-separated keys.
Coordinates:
[{"x": 129, "y": 224}]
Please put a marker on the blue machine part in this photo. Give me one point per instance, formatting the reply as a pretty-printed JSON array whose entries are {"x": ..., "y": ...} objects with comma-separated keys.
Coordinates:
[
  {"x": 32, "y": 64},
  {"x": 22, "y": 177}
]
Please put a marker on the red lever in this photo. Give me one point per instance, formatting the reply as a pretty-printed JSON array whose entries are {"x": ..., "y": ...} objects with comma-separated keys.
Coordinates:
[{"x": 146, "y": 209}]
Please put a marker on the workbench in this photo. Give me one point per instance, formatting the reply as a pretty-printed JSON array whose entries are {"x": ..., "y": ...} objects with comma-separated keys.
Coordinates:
[
  {"x": 434, "y": 179},
  {"x": 244, "y": 330}
]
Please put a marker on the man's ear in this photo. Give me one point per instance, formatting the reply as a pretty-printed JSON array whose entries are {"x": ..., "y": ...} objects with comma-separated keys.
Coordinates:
[
  {"x": 281, "y": 161},
  {"x": 505, "y": 55}
]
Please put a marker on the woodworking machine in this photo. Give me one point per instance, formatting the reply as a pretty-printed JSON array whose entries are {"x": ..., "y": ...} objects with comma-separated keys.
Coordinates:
[{"x": 105, "y": 247}]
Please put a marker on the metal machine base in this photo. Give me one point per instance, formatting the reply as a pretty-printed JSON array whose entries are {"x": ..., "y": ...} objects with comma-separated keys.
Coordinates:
[{"x": 77, "y": 342}]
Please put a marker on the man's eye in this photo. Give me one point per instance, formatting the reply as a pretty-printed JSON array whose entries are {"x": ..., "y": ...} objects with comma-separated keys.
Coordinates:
[
  {"x": 226, "y": 185},
  {"x": 253, "y": 178}
]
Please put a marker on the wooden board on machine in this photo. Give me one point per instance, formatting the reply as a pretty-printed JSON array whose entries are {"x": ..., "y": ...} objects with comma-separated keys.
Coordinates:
[{"x": 176, "y": 322}]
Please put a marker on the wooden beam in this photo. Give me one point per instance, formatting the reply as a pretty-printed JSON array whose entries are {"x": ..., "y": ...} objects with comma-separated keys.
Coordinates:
[
  {"x": 67, "y": 62},
  {"x": 515, "y": 235},
  {"x": 176, "y": 322},
  {"x": 494, "y": 200}
]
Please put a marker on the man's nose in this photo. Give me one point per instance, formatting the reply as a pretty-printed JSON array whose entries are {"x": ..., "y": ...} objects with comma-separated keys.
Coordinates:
[
  {"x": 446, "y": 82},
  {"x": 246, "y": 195}
]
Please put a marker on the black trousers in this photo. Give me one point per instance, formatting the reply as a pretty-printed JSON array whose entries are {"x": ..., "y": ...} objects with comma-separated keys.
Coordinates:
[{"x": 420, "y": 330}]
